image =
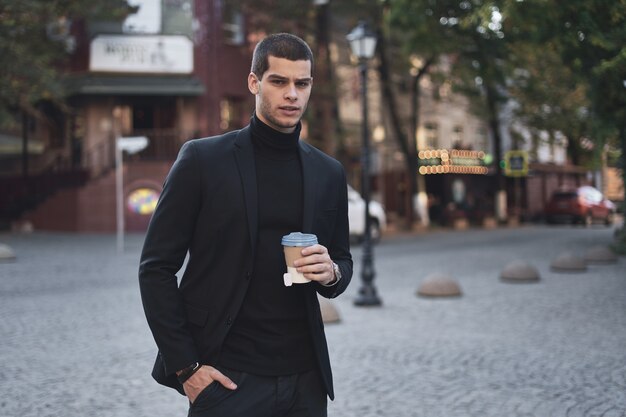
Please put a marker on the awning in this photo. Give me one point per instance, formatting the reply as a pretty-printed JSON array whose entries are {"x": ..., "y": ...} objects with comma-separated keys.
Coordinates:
[
  {"x": 554, "y": 168},
  {"x": 134, "y": 86}
]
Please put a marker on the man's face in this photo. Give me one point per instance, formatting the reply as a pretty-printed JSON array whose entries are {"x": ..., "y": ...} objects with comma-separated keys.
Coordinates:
[{"x": 283, "y": 92}]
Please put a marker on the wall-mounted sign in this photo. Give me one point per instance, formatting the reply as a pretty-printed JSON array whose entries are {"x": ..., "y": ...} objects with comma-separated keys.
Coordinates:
[
  {"x": 516, "y": 164},
  {"x": 132, "y": 144},
  {"x": 142, "y": 200},
  {"x": 451, "y": 161},
  {"x": 141, "y": 54}
]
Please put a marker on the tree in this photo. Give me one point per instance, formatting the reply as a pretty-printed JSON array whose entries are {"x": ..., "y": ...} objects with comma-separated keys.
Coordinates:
[
  {"x": 422, "y": 39},
  {"x": 549, "y": 97},
  {"x": 471, "y": 33},
  {"x": 480, "y": 72},
  {"x": 34, "y": 42},
  {"x": 590, "y": 38},
  {"x": 308, "y": 21}
]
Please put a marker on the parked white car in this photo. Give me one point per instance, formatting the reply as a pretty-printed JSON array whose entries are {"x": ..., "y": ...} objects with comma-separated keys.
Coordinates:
[{"x": 356, "y": 216}]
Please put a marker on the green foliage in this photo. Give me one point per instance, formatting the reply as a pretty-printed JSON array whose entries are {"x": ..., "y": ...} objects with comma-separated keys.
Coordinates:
[
  {"x": 468, "y": 32},
  {"x": 589, "y": 38},
  {"x": 34, "y": 44},
  {"x": 549, "y": 96},
  {"x": 425, "y": 28}
]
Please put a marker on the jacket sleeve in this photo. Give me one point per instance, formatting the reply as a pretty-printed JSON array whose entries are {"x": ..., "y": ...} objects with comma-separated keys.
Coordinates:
[
  {"x": 167, "y": 242},
  {"x": 339, "y": 249}
]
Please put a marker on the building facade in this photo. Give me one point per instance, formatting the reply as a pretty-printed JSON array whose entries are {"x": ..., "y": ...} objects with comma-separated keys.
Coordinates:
[
  {"x": 173, "y": 71},
  {"x": 456, "y": 166}
]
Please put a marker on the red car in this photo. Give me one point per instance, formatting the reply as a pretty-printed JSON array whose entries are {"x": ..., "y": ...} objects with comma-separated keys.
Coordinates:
[{"x": 581, "y": 205}]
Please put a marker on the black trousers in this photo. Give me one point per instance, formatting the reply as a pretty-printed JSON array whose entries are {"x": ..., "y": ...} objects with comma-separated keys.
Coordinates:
[{"x": 299, "y": 395}]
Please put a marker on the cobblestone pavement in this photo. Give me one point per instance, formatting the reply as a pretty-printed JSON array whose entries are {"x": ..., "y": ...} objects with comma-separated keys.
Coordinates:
[{"x": 74, "y": 341}]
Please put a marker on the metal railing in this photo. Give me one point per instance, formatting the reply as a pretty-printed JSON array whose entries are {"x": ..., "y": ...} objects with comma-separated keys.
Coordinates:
[
  {"x": 163, "y": 145},
  {"x": 19, "y": 193}
]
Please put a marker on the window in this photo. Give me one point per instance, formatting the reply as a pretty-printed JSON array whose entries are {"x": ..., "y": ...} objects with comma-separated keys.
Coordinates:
[
  {"x": 178, "y": 17},
  {"x": 168, "y": 17},
  {"x": 431, "y": 133},
  {"x": 482, "y": 139},
  {"x": 457, "y": 137},
  {"x": 124, "y": 115},
  {"x": 231, "y": 114},
  {"x": 147, "y": 19},
  {"x": 232, "y": 26}
]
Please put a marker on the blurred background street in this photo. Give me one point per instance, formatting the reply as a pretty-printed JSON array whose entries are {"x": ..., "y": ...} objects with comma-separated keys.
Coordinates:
[
  {"x": 473, "y": 133},
  {"x": 75, "y": 342}
]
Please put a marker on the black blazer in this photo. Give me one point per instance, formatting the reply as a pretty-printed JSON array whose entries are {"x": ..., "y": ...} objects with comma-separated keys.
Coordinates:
[{"x": 208, "y": 209}]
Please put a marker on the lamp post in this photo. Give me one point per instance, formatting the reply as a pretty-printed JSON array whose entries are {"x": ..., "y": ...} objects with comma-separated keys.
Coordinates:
[{"x": 363, "y": 43}]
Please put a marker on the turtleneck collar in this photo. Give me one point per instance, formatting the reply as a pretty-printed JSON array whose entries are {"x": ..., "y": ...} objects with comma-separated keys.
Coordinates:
[{"x": 267, "y": 139}]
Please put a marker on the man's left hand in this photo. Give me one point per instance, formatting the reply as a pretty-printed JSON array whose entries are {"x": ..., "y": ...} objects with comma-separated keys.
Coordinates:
[{"x": 316, "y": 264}]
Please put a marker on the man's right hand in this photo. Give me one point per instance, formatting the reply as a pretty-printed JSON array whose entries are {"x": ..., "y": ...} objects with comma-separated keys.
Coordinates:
[{"x": 202, "y": 378}]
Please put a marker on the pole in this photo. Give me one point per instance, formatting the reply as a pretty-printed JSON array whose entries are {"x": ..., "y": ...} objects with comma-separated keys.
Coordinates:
[
  {"x": 25, "y": 131},
  {"x": 518, "y": 197},
  {"x": 119, "y": 196},
  {"x": 367, "y": 293}
]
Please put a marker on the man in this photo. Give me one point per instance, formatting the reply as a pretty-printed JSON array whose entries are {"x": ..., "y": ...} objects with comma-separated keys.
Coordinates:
[{"x": 232, "y": 336}]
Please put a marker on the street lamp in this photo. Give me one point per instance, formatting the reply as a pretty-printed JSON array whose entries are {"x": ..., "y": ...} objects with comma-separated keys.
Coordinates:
[{"x": 363, "y": 43}]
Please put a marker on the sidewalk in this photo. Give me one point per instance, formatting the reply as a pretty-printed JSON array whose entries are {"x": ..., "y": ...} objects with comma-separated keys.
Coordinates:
[
  {"x": 75, "y": 342},
  {"x": 549, "y": 349}
]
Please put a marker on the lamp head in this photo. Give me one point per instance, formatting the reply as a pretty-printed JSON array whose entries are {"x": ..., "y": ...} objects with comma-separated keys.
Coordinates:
[{"x": 362, "y": 41}]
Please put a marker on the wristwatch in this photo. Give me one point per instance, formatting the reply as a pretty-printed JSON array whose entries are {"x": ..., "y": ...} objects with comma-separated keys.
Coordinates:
[
  {"x": 337, "y": 273},
  {"x": 186, "y": 373}
]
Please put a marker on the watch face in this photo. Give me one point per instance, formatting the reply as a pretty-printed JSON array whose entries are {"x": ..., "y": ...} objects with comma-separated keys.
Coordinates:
[{"x": 337, "y": 271}]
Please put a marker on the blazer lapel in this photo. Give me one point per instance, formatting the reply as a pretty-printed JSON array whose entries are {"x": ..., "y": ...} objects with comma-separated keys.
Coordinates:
[
  {"x": 244, "y": 155},
  {"x": 309, "y": 187}
]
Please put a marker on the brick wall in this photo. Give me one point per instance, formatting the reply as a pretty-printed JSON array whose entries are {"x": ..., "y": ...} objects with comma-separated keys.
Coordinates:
[{"x": 91, "y": 208}]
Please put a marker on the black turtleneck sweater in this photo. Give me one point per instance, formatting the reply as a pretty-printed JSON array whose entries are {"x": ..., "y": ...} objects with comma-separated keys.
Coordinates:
[{"x": 270, "y": 335}]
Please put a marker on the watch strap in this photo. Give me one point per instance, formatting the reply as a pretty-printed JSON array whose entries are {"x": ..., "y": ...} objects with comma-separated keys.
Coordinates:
[
  {"x": 337, "y": 273},
  {"x": 186, "y": 373}
]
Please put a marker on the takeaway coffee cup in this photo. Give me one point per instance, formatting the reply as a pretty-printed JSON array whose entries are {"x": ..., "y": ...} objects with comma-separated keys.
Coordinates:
[{"x": 293, "y": 244}]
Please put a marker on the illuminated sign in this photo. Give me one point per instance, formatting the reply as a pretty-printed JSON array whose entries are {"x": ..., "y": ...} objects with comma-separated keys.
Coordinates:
[
  {"x": 143, "y": 200},
  {"x": 516, "y": 164},
  {"x": 452, "y": 161}
]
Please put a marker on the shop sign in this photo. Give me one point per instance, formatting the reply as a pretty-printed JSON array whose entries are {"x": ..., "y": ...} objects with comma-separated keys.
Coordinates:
[
  {"x": 141, "y": 54},
  {"x": 451, "y": 161},
  {"x": 516, "y": 164},
  {"x": 143, "y": 201}
]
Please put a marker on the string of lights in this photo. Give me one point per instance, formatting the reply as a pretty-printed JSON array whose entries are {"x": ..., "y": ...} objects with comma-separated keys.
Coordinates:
[{"x": 452, "y": 161}]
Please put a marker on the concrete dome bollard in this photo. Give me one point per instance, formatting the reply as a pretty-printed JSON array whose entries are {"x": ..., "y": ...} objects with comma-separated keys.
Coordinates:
[
  {"x": 439, "y": 285},
  {"x": 519, "y": 271},
  {"x": 600, "y": 255},
  {"x": 568, "y": 262},
  {"x": 329, "y": 312},
  {"x": 6, "y": 253}
]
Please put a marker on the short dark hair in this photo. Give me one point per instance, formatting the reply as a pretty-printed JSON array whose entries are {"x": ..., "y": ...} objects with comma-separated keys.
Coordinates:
[{"x": 279, "y": 45}]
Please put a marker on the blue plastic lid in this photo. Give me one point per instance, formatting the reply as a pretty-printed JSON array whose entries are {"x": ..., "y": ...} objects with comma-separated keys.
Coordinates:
[{"x": 299, "y": 239}]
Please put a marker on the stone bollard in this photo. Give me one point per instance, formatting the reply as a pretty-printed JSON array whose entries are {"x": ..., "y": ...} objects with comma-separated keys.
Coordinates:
[
  {"x": 519, "y": 271},
  {"x": 568, "y": 262},
  {"x": 460, "y": 224},
  {"x": 6, "y": 253},
  {"x": 329, "y": 312},
  {"x": 513, "y": 221},
  {"x": 600, "y": 255},
  {"x": 490, "y": 223},
  {"x": 439, "y": 285}
]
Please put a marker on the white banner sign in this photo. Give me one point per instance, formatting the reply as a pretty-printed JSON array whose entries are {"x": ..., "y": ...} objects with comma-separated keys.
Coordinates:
[
  {"x": 143, "y": 54},
  {"x": 132, "y": 144}
]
